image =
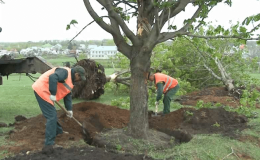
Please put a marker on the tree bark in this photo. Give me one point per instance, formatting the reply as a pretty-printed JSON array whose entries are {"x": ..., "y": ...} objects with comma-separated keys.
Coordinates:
[{"x": 138, "y": 125}]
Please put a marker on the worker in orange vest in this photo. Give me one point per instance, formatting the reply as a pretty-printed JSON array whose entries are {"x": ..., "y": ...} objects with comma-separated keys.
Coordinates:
[
  {"x": 165, "y": 85},
  {"x": 54, "y": 85}
]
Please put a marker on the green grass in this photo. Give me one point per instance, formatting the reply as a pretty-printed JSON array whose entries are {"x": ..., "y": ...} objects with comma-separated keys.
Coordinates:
[
  {"x": 211, "y": 147},
  {"x": 17, "y": 98},
  {"x": 57, "y": 60},
  {"x": 255, "y": 75}
]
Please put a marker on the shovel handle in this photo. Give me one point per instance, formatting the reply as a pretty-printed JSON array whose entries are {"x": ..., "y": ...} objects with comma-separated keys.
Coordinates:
[
  {"x": 156, "y": 109},
  {"x": 67, "y": 113}
]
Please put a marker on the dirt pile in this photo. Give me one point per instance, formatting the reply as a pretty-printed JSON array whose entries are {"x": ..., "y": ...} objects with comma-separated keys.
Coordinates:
[
  {"x": 29, "y": 134},
  {"x": 210, "y": 95}
]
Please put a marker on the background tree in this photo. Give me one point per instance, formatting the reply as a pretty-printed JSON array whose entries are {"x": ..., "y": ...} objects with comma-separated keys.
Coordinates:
[
  {"x": 204, "y": 62},
  {"x": 253, "y": 50},
  {"x": 70, "y": 46},
  {"x": 151, "y": 17}
]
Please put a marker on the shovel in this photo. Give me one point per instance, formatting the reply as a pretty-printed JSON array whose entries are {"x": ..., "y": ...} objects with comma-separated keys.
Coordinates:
[
  {"x": 67, "y": 113},
  {"x": 156, "y": 111}
]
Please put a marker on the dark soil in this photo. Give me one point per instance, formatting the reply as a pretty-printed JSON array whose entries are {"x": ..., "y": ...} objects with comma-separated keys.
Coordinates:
[{"x": 28, "y": 134}]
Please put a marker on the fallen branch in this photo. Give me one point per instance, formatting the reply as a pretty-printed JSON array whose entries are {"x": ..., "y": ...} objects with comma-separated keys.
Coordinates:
[{"x": 231, "y": 154}]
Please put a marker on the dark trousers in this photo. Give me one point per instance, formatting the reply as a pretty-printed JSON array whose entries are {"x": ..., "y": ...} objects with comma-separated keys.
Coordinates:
[
  {"x": 168, "y": 97},
  {"x": 53, "y": 128}
]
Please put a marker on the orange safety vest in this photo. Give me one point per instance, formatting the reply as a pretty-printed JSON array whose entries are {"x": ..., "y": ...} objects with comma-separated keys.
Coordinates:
[
  {"x": 169, "y": 82},
  {"x": 41, "y": 86}
]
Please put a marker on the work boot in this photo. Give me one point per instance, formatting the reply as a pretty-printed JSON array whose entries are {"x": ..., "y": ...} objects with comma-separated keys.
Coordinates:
[
  {"x": 57, "y": 146},
  {"x": 47, "y": 149}
]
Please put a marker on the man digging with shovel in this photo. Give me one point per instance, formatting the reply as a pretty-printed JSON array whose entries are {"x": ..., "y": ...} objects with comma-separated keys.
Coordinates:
[
  {"x": 165, "y": 85},
  {"x": 54, "y": 85}
]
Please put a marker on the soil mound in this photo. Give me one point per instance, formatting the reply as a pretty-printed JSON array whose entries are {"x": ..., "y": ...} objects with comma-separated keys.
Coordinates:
[
  {"x": 97, "y": 117},
  {"x": 210, "y": 95}
]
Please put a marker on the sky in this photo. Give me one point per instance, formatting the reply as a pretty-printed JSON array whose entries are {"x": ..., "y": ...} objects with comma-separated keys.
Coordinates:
[{"x": 39, "y": 20}]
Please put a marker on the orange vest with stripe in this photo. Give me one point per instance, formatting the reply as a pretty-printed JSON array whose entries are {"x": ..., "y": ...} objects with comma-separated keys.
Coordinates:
[
  {"x": 169, "y": 82},
  {"x": 41, "y": 86}
]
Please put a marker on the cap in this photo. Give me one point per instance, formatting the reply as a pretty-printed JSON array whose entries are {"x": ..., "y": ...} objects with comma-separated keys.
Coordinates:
[{"x": 81, "y": 72}]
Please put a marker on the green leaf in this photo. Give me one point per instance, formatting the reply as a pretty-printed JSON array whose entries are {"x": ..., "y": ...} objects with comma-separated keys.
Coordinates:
[
  {"x": 68, "y": 27},
  {"x": 242, "y": 29},
  {"x": 73, "y": 22}
]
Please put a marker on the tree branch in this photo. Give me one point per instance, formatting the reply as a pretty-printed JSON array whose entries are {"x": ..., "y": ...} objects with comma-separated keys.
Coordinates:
[
  {"x": 175, "y": 9},
  {"x": 111, "y": 12},
  {"x": 96, "y": 18},
  {"x": 204, "y": 64},
  {"x": 195, "y": 15},
  {"x": 202, "y": 20},
  {"x": 81, "y": 30},
  {"x": 126, "y": 2},
  {"x": 220, "y": 36},
  {"x": 120, "y": 42},
  {"x": 212, "y": 72},
  {"x": 169, "y": 35}
]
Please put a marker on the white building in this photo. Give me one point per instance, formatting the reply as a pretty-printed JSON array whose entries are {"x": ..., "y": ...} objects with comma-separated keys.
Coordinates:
[{"x": 102, "y": 52}]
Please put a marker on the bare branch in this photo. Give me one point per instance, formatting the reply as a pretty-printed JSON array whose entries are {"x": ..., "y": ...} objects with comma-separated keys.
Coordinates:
[
  {"x": 221, "y": 36},
  {"x": 157, "y": 22},
  {"x": 96, "y": 18},
  {"x": 195, "y": 15},
  {"x": 212, "y": 72},
  {"x": 110, "y": 8},
  {"x": 125, "y": 83},
  {"x": 232, "y": 152},
  {"x": 81, "y": 30},
  {"x": 169, "y": 35},
  {"x": 127, "y": 3},
  {"x": 123, "y": 72},
  {"x": 205, "y": 66},
  {"x": 175, "y": 9},
  {"x": 255, "y": 28},
  {"x": 119, "y": 40},
  {"x": 202, "y": 83},
  {"x": 202, "y": 20}
]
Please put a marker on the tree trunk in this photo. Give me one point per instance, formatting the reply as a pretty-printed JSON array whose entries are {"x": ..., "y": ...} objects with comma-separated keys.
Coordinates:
[
  {"x": 226, "y": 79},
  {"x": 229, "y": 84},
  {"x": 138, "y": 125}
]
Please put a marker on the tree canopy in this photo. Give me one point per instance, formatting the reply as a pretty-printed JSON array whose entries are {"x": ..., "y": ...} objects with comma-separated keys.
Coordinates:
[{"x": 151, "y": 17}]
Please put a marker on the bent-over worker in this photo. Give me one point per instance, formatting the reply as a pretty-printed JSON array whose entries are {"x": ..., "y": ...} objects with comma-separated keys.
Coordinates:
[
  {"x": 54, "y": 85},
  {"x": 165, "y": 85}
]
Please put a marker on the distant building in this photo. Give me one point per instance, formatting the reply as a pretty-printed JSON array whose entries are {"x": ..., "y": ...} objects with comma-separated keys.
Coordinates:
[
  {"x": 92, "y": 46},
  {"x": 102, "y": 52}
]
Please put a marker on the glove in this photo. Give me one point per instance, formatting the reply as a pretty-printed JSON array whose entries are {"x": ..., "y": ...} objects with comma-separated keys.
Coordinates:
[
  {"x": 157, "y": 103},
  {"x": 70, "y": 114},
  {"x": 53, "y": 98}
]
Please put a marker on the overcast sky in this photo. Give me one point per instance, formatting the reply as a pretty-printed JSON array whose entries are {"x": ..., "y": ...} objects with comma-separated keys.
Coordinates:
[{"x": 35, "y": 20}]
